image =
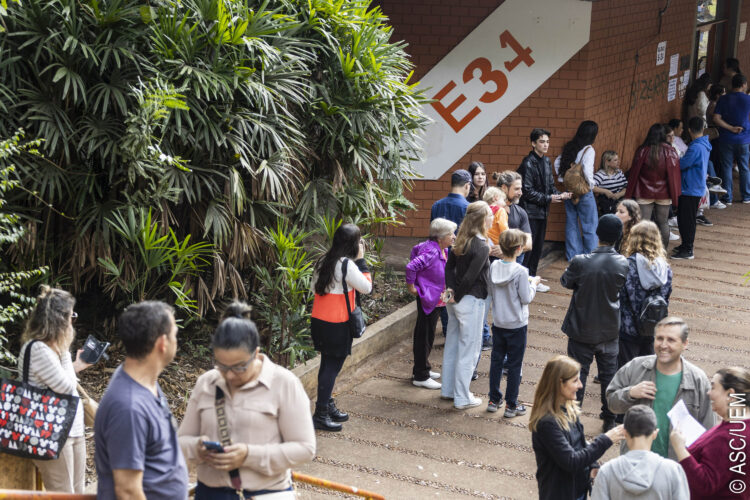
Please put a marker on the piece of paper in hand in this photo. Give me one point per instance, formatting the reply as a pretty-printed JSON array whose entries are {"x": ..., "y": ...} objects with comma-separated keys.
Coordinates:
[{"x": 682, "y": 419}]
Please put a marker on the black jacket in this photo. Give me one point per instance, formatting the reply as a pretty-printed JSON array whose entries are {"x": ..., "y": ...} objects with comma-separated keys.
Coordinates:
[
  {"x": 563, "y": 459},
  {"x": 594, "y": 312},
  {"x": 468, "y": 274},
  {"x": 538, "y": 185}
]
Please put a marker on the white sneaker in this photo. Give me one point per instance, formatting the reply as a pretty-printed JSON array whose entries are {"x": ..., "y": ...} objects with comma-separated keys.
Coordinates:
[
  {"x": 718, "y": 205},
  {"x": 434, "y": 375},
  {"x": 673, "y": 237},
  {"x": 427, "y": 384},
  {"x": 673, "y": 222},
  {"x": 541, "y": 287},
  {"x": 473, "y": 401}
]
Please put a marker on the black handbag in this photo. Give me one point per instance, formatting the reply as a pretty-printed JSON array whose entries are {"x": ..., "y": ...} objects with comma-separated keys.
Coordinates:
[
  {"x": 34, "y": 422},
  {"x": 356, "y": 321}
]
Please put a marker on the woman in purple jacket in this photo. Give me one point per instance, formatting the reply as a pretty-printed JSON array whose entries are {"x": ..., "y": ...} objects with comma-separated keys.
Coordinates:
[{"x": 425, "y": 278}]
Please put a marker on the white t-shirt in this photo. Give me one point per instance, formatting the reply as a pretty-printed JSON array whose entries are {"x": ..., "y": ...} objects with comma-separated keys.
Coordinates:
[{"x": 586, "y": 159}]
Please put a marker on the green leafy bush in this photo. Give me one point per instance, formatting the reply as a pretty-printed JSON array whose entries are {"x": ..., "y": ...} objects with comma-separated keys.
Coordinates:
[{"x": 13, "y": 282}]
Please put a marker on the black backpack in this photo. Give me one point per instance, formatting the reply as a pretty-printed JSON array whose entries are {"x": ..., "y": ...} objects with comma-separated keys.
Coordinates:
[{"x": 654, "y": 309}]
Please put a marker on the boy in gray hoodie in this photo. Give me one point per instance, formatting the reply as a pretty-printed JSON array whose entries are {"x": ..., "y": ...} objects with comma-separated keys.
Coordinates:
[
  {"x": 640, "y": 473},
  {"x": 512, "y": 290}
]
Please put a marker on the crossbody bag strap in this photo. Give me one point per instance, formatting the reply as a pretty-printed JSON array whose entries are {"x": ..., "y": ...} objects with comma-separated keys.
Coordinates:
[
  {"x": 226, "y": 440},
  {"x": 27, "y": 361},
  {"x": 344, "y": 265}
]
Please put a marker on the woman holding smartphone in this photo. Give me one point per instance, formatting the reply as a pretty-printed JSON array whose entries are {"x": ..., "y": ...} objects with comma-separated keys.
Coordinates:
[{"x": 264, "y": 433}]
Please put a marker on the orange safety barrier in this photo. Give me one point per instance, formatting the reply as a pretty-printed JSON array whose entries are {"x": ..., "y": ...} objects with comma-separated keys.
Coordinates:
[
  {"x": 331, "y": 485},
  {"x": 41, "y": 495}
]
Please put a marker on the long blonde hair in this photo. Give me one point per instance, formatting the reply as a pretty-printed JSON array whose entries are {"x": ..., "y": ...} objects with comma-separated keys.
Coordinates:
[
  {"x": 645, "y": 239},
  {"x": 472, "y": 225},
  {"x": 49, "y": 321},
  {"x": 557, "y": 371}
]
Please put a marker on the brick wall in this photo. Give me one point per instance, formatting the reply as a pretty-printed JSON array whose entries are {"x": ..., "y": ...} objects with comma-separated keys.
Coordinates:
[
  {"x": 743, "y": 48},
  {"x": 594, "y": 84}
]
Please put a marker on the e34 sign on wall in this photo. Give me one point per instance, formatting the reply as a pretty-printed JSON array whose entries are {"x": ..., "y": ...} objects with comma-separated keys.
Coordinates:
[{"x": 493, "y": 70}]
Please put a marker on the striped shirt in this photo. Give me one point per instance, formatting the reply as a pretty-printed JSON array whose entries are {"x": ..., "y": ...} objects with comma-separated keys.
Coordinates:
[
  {"x": 48, "y": 370},
  {"x": 614, "y": 183}
]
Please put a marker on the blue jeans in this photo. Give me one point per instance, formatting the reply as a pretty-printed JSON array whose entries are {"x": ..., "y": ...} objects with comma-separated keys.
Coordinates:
[
  {"x": 712, "y": 198},
  {"x": 580, "y": 240},
  {"x": 513, "y": 343},
  {"x": 486, "y": 328},
  {"x": 463, "y": 344},
  {"x": 728, "y": 154}
]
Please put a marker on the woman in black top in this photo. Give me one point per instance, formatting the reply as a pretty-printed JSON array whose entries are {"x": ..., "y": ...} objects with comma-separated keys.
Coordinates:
[
  {"x": 466, "y": 280},
  {"x": 564, "y": 460}
]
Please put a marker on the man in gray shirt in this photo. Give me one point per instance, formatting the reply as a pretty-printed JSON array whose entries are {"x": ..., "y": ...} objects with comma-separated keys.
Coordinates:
[{"x": 137, "y": 454}]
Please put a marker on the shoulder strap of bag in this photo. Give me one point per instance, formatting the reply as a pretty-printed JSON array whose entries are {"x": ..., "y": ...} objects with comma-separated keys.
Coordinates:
[
  {"x": 344, "y": 265},
  {"x": 221, "y": 420},
  {"x": 27, "y": 360}
]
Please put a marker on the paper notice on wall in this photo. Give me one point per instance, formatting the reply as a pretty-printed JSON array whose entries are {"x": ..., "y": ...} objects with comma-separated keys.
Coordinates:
[
  {"x": 685, "y": 78},
  {"x": 743, "y": 31},
  {"x": 661, "y": 53},
  {"x": 672, "y": 90},
  {"x": 683, "y": 421},
  {"x": 674, "y": 61}
]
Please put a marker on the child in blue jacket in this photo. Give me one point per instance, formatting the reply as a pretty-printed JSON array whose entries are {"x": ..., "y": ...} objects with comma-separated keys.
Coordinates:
[{"x": 694, "y": 169}]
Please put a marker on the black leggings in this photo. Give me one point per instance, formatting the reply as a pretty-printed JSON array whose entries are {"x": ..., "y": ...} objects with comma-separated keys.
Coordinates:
[{"x": 330, "y": 366}]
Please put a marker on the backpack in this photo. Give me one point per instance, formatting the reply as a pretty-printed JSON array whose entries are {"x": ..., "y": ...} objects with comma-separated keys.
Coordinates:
[
  {"x": 574, "y": 180},
  {"x": 653, "y": 310}
]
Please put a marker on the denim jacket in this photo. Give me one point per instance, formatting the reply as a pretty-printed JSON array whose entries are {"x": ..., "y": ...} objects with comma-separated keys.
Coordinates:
[{"x": 426, "y": 271}]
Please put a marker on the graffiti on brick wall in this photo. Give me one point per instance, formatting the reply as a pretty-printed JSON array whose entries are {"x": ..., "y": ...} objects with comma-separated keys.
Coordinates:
[{"x": 648, "y": 89}]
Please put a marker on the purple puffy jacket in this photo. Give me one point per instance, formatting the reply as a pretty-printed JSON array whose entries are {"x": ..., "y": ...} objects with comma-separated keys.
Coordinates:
[{"x": 426, "y": 271}]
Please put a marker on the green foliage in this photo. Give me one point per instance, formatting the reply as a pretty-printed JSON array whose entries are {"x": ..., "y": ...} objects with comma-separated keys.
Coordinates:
[
  {"x": 16, "y": 304},
  {"x": 157, "y": 265},
  {"x": 283, "y": 295},
  {"x": 220, "y": 116}
]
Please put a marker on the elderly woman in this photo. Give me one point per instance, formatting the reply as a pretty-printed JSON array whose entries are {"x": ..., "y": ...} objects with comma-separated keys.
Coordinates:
[
  {"x": 49, "y": 334},
  {"x": 425, "y": 278},
  {"x": 713, "y": 463},
  {"x": 266, "y": 426}
]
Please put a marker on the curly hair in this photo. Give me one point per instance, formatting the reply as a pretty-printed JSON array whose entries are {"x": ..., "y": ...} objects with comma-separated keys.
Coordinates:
[
  {"x": 50, "y": 320},
  {"x": 645, "y": 239}
]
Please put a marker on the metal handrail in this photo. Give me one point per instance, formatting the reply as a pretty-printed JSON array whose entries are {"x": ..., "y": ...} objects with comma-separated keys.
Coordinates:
[{"x": 302, "y": 478}]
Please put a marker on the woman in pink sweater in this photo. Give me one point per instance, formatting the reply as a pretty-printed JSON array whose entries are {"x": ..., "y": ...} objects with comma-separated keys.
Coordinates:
[{"x": 718, "y": 462}]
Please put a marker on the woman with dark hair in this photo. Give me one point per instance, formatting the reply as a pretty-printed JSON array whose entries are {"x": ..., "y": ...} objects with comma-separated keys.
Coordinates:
[
  {"x": 564, "y": 459},
  {"x": 329, "y": 319},
  {"x": 654, "y": 179},
  {"x": 478, "y": 182},
  {"x": 696, "y": 97},
  {"x": 579, "y": 150},
  {"x": 49, "y": 334},
  {"x": 264, "y": 433},
  {"x": 629, "y": 214},
  {"x": 713, "y": 463}
]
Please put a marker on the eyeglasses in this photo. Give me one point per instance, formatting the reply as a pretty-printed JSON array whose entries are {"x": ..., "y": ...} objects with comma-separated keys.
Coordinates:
[
  {"x": 73, "y": 317},
  {"x": 238, "y": 368}
]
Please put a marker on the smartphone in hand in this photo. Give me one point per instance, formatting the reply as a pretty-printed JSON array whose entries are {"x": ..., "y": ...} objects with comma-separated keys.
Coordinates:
[{"x": 213, "y": 446}]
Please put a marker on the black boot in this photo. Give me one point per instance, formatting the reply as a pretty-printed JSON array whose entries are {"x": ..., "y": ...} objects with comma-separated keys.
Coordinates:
[
  {"x": 322, "y": 420},
  {"x": 336, "y": 414}
]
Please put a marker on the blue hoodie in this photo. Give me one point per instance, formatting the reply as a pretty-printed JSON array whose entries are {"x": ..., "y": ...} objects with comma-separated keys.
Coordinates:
[{"x": 694, "y": 167}]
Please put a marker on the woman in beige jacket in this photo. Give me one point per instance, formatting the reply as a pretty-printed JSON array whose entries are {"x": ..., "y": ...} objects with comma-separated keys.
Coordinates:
[{"x": 268, "y": 422}]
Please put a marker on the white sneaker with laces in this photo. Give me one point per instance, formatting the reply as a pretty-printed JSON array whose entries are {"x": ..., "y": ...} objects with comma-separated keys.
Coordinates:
[
  {"x": 427, "y": 384},
  {"x": 434, "y": 375},
  {"x": 673, "y": 222},
  {"x": 673, "y": 237},
  {"x": 473, "y": 401},
  {"x": 718, "y": 205},
  {"x": 541, "y": 287}
]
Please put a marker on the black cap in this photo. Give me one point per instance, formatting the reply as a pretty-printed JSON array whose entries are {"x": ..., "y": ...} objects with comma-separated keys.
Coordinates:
[
  {"x": 460, "y": 177},
  {"x": 609, "y": 229}
]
